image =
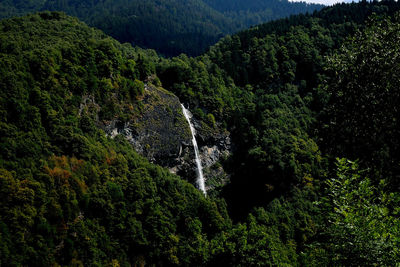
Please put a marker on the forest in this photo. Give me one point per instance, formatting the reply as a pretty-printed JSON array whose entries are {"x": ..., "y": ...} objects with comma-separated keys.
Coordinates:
[
  {"x": 310, "y": 100},
  {"x": 171, "y": 27}
]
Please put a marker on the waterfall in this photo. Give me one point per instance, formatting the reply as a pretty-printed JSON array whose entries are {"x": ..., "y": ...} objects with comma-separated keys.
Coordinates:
[{"x": 200, "y": 178}]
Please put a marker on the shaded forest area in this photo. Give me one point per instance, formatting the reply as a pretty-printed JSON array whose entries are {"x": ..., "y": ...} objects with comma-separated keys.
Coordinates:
[{"x": 170, "y": 27}]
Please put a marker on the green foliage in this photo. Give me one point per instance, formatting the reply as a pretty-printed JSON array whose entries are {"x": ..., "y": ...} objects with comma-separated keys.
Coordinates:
[
  {"x": 277, "y": 71},
  {"x": 69, "y": 195},
  {"x": 171, "y": 27},
  {"x": 362, "y": 225},
  {"x": 72, "y": 196},
  {"x": 361, "y": 117},
  {"x": 199, "y": 83},
  {"x": 263, "y": 84}
]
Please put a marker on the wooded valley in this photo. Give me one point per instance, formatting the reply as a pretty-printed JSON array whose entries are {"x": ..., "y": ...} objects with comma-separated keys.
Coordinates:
[{"x": 310, "y": 104}]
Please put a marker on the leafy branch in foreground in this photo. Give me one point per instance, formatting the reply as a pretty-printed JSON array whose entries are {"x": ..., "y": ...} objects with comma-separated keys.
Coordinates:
[{"x": 362, "y": 227}]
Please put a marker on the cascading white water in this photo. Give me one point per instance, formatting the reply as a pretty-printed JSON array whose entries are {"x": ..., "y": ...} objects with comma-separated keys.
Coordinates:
[{"x": 200, "y": 178}]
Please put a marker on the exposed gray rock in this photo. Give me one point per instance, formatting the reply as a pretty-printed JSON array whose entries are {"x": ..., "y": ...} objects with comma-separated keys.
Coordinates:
[
  {"x": 89, "y": 106},
  {"x": 211, "y": 157},
  {"x": 161, "y": 133}
]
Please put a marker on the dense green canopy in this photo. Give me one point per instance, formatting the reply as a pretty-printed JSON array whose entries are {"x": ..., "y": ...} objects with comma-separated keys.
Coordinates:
[
  {"x": 295, "y": 94},
  {"x": 171, "y": 27}
]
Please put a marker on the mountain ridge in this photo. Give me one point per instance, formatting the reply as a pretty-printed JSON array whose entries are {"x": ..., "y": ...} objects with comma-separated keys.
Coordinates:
[{"x": 171, "y": 27}]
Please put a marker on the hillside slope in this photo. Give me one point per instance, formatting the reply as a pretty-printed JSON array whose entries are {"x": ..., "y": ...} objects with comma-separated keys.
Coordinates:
[
  {"x": 295, "y": 93},
  {"x": 69, "y": 194},
  {"x": 171, "y": 27},
  {"x": 274, "y": 102}
]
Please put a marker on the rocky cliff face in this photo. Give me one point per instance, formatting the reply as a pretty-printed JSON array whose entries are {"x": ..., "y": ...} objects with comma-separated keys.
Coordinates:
[
  {"x": 215, "y": 146},
  {"x": 161, "y": 133}
]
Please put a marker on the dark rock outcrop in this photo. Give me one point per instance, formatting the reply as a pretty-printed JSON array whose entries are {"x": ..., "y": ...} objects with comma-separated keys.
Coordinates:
[
  {"x": 161, "y": 133},
  {"x": 215, "y": 146}
]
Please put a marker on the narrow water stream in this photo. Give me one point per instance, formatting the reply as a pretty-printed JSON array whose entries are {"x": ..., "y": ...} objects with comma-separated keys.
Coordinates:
[{"x": 200, "y": 178}]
